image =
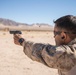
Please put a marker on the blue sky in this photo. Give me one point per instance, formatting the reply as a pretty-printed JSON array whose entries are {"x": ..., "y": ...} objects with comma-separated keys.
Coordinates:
[{"x": 36, "y": 11}]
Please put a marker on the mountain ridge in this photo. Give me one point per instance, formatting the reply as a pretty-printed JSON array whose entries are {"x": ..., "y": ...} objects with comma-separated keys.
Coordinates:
[{"x": 8, "y": 22}]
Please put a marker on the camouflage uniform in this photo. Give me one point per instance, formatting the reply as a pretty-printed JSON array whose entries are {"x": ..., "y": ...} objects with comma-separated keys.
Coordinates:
[{"x": 61, "y": 57}]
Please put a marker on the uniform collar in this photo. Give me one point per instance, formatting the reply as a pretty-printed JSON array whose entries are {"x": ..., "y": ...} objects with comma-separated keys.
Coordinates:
[{"x": 72, "y": 42}]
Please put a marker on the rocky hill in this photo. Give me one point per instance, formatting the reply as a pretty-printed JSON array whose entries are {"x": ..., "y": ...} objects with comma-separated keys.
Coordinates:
[
  {"x": 11, "y": 22},
  {"x": 12, "y": 25}
]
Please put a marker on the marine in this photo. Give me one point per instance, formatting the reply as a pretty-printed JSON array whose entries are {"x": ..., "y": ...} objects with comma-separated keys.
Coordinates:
[{"x": 61, "y": 56}]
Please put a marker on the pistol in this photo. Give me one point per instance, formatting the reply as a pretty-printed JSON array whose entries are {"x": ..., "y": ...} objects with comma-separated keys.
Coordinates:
[{"x": 15, "y": 32}]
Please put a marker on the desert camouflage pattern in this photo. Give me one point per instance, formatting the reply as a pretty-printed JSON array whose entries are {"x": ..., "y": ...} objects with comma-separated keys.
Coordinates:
[{"x": 61, "y": 57}]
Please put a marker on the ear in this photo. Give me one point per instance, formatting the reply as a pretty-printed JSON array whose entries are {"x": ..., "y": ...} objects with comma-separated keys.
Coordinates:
[{"x": 63, "y": 35}]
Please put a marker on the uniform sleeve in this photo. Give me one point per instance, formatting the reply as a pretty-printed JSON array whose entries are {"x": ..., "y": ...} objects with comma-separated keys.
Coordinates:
[
  {"x": 62, "y": 57},
  {"x": 34, "y": 51}
]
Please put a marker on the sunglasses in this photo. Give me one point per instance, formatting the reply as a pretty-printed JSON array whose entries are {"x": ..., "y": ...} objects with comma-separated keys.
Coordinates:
[{"x": 59, "y": 32}]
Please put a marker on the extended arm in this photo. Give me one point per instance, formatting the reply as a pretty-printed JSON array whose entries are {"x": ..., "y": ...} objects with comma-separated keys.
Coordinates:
[{"x": 61, "y": 57}]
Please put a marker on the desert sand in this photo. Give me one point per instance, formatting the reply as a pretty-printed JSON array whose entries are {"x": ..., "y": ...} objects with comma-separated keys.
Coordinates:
[{"x": 14, "y": 62}]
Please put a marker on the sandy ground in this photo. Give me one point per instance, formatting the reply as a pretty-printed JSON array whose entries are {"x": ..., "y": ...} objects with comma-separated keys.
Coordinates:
[{"x": 14, "y": 62}]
